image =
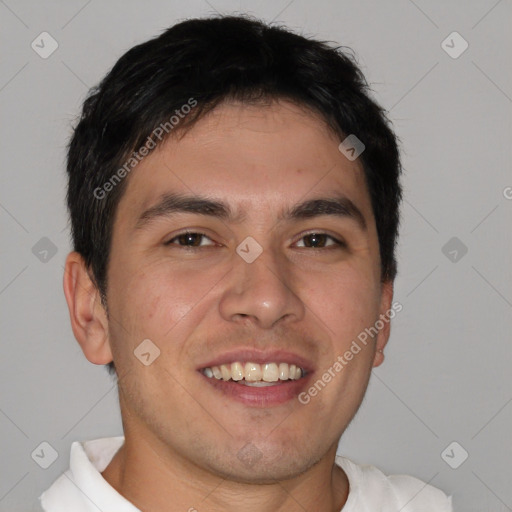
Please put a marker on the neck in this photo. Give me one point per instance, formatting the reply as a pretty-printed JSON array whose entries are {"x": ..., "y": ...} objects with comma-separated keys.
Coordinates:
[{"x": 151, "y": 479}]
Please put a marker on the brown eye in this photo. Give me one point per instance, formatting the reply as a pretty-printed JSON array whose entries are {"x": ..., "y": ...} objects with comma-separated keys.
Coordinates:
[
  {"x": 319, "y": 241},
  {"x": 188, "y": 239}
]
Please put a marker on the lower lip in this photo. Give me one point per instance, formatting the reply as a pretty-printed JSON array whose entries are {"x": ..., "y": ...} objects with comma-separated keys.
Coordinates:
[{"x": 280, "y": 393}]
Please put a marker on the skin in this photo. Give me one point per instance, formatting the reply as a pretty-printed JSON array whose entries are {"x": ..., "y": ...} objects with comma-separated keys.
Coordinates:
[{"x": 182, "y": 436}]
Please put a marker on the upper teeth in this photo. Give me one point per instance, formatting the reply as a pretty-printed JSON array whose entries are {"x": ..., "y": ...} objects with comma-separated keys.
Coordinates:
[{"x": 253, "y": 372}]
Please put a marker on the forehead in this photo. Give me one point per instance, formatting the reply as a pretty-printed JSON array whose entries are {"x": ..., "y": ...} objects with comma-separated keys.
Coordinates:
[{"x": 253, "y": 157}]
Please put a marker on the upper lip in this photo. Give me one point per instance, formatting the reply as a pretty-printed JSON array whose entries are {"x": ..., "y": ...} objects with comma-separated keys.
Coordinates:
[{"x": 258, "y": 356}]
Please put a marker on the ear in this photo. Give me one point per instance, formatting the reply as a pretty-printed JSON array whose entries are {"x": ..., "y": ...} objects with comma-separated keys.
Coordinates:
[
  {"x": 386, "y": 300},
  {"x": 88, "y": 316}
]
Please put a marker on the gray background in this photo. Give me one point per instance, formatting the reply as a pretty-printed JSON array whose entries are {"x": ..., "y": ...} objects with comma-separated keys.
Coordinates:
[{"x": 447, "y": 373}]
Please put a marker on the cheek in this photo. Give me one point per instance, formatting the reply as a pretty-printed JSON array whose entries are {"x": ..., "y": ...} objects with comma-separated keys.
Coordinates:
[
  {"x": 347, "y": 302},
  {"x": 157, "y": 301}
]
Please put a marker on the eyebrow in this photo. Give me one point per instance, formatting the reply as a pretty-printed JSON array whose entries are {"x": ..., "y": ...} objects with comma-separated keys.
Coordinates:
[{"x": 170, "y": 204}]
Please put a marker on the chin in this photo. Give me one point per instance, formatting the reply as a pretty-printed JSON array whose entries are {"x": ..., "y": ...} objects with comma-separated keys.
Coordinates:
[{"x": 252, "y": 465}]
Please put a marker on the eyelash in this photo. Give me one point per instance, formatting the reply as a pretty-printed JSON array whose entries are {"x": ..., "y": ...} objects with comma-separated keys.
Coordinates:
[
  {"x": 169, "y": 242},
  {"x": 337, "y": 242}
]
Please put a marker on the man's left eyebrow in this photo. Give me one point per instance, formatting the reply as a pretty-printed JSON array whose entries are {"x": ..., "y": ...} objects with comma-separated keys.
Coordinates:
[{"x": 339, "y": 206}]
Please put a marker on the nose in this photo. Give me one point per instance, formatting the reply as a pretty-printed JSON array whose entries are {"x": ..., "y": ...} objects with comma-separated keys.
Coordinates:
[{"x": 261, "y": 292}]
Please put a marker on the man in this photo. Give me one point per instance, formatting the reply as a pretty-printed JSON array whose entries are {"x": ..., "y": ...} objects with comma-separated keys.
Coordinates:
[{"x": 234, "y": 196}]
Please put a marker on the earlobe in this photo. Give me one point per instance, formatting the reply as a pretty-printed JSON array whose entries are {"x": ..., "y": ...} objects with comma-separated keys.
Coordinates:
[
  {"x": 87, "y": 314},
  {"x": 378, "y": 359},
  {"x": 384, "y": 317}
]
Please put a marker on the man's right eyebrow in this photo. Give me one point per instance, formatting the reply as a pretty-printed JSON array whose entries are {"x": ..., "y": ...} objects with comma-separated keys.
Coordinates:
[{"x": 170, "y": 204}]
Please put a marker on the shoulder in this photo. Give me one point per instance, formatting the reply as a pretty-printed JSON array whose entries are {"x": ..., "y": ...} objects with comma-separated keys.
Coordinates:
[
  {"x": 414, "y": 495},
  {"x": 83, "y": 481},
  {"x": 371, "y": 488}
]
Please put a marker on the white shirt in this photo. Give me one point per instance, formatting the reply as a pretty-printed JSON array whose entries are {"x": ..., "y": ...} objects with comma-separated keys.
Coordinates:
[{"x": 82, "y": 488}]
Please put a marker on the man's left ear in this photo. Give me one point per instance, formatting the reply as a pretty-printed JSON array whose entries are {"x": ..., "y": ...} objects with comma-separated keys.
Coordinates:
[{"x": 386, "y": 300}]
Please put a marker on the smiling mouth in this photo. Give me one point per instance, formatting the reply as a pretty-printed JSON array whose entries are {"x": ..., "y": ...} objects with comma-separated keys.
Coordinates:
[{"x": 255, "y": 374}]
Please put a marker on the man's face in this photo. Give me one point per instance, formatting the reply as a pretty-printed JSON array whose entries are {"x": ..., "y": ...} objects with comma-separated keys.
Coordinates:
[{"x": 302, "y": 301}]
